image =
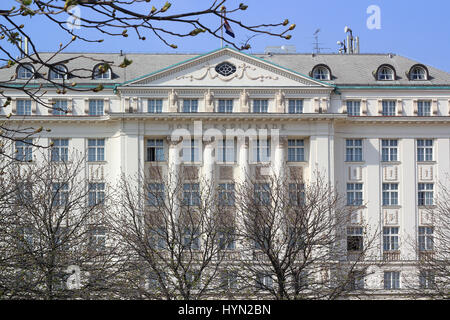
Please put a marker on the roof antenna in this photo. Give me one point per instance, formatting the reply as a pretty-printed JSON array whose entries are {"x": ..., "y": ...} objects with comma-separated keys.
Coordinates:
[
  {"x": 316, "y": 43},
  {"x": 352, "y": 44}
]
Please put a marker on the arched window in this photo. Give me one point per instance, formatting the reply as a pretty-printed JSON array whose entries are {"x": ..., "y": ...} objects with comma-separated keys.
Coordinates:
[
  {"x": 102, "y": 71},
  {"x": 58, "y": 72},
  {"x": 418, "y": 73},
  {"x": 385, "y": 73},
  {"x": 25, "y": 71},
  {"x": 321, "y": 73}
]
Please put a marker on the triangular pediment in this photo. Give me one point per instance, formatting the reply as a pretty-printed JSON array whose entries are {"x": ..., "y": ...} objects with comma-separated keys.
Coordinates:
[{"x": 249, "y": 71}]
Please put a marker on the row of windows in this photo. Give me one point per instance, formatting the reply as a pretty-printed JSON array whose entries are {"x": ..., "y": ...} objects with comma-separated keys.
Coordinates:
[
  {"x": 425, "y": 194},
  {"x": 389, "y": 150},
  {"x": 60, "y": 72},
  {"x": 389, "y": 108}
]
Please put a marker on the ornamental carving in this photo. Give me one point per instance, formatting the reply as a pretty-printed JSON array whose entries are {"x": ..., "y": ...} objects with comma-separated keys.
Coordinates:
[{"x": 208, "y": 71}]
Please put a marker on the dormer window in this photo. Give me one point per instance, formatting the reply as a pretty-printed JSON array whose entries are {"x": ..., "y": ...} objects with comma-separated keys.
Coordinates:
[
  {"x": 321, "y": 72},
  {"x": 25, "y": 71},
  {"x": 418, "y": 73},
  {"x": 102, "y": 71},
  {"x": 58, "y": 72},
  {"x": 385, "y": 73}
]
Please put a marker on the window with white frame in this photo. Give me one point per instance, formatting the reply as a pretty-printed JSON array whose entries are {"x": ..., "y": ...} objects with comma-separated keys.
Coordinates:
[
  {"x": 60, "y": 108},
  {"x": 96, "y": 193},
  {"x": 353, "y": 150},
  {"x": 59, "y": 150},
  {"x": 25, "y": 71},
  {"x": 154, "y": 105},
  {"x": 190, "y": 105},
  {"x": 225, "y": 106},
  {"x": 390, "y": 239},
  {"x": 424, "y": 150},
  {"x": 96, "y": 150},
  {"x": 60, "y": 194},
  {"x": 155, "y": 280},
  {"x": 426, "y": 238},
  {"x": 261, "y": 150},
  {"x": 389, "y": 150},
  {"x": 26, "y": 241},
  {"x": 321, "y": 73},
  {"x": 23, "y": 107},
  {"x": 155, "y": 194},
  {"x": 354, "y": 194},
  {"x": 264, "y": 281},
  {"x": 388, "y": 108},
  {"x": 155, "y": 150},
  {"x": 262, "y": 193},
  {"x": 295, "y": 106},
  {"x": 424, "y": 108},
  {"x": 390, "y": 194},
  {"x": 226, "y": 194},
  {"x": 157, "y": 238},
  {"x": 96, "y": 107},
  {"x": 385, "y": 73},
  {"x": 418, "y": 73},
  {"x": 97, "y": 238},
  {"x": 191, "y": 238},
  {"x": 391, "y": 280},
  {"x": 260, "y": 105},
  {"x": 227, "y": 239},
  {"x": 24, "y": 193},
  {"x": 229, "y": 280},
  {"x": 191, "y": 150},
  {"x": 427, "y": 279},
  {"x": 297, "y": 194},
  {"x": 226, "y": 150},
  {"x": 191, "y": 194},
  {"x": 296, "y": 150},
  {"x": 24, "y": 150},
  {"x": 102, "y": 71},
  {"x": 58, "y": 72},
  {"x": 355, "y": 239},
  {"x": 425, "y": 194},
  {"x": 353, "y": 108}
]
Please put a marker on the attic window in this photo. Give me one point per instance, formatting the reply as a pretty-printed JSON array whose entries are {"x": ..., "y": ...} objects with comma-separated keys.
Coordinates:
[
  {"x": 225, "y": 69},
  {"x": 418, "y": 73},
  {"x": 386, "y": 73},
  {"x": 321, "y": 72}
]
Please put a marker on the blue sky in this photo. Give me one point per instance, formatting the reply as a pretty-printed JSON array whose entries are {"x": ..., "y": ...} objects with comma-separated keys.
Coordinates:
[{"x": 417, "y": 29}]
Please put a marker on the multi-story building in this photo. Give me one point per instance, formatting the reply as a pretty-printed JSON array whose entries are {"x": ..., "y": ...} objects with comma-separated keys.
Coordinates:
[{"x": 376, "y": 125}]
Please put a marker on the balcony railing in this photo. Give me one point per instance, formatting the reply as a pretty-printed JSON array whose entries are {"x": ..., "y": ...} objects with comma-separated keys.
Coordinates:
[{"x": 391, "y": 255}]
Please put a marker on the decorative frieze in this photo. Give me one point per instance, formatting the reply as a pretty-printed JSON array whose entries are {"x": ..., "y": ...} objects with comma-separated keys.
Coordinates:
[
  {"x": 390, "y": 173},
  {"x": 355, "y": 173},
  {"x": 391, "y": 217},
  {"x": 426, "y": 173}
]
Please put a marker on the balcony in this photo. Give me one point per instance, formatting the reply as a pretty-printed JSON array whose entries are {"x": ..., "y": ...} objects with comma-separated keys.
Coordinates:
[
  {"x": 391, "y": 255},
  {"x": 426, "y": 255}
]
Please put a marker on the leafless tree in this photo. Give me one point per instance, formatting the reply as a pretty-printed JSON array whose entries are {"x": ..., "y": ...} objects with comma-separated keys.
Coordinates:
[
  {"x": 294, "y": 240},
  {"x": 52, "y": 223},
  {"x": 176, "y": 233}
]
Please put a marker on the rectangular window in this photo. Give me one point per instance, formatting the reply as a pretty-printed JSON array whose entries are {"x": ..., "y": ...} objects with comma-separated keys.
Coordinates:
[
  {"x": 96, "y": 107},
  {"x": 296, "y": 150},
  {"x": 23, "y": 108},
  {"x": 96, "y": 193},
  {"x": 353, "y": 108},
  {"x": 157, "y": 238},
  {"x": 264, "y": 281},
  {"x": 426, "y": 238},
  {"x": 425, "y": 194},
  {"x": 353, "y": 150},
  {"x": 356, "y": 280},
  {"x": 388, "y": 108},
  {"x": 389, "y": 150},
  {"x": 97, "y": 239},
  {"x": 155, "y": 194},
  {"x": 354, "y": 194},
  {"x": 154, "y": 105},
  {"x": 193, "y": 279},
  {"x": 191, "y": 150},
  {"x": 226, "y": 240},
  {"x": 424, "y": 108},
  {"x": 260, "y": 106},
  {"x": 262, "y": 193},
  {"x": 354, "y": 239},
  {"x": 60, "y": 194},
  {"x": 390, "y": 238},
  {"x": 24, "y": 193},
  {"x": 391, "y": 280},
  {"x": 24, "y": 150},
  {"x": 225, "y": 106},
  {"x": 191, "y": 194},
  {"x": 225, "y": 152},
  {"x": 297, "y": 194},
  {"x": 60, "y": 108},
  {"x": 154, "y": 282},
  {"x": 295, "y": 106},
  {"x": 60, "y": 150},
  {"x": 190, "y": 105},
  {"x": 155, "y": 150},
  {"x": 96, "y": 150},
  {"x": 229, "y": 280},
  {"x": 427, "y": 279},
  {"x": 424, "y": 150},
  {"x": 226, "y": 194},
  {"x": 390, "y": 194},
  {"x": 191, "y": 239},
  {"x": 261, "y": 150}
]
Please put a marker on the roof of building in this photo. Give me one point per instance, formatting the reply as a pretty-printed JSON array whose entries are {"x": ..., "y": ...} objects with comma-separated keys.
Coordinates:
[{"x": 346, "y": 70}]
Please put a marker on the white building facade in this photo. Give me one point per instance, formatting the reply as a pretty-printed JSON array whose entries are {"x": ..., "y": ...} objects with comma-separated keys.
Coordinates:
[{"x": 376, "y": 126}]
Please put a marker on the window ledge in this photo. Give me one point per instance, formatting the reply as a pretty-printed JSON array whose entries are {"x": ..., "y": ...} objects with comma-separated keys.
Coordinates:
[
  {"x": 432, "y": 206},
  {"x": 427, "y": 162},
  {"x": 391, "y": 162},
  {"x": 391, "y": 206},
  {"x": 156, "y": 162},
  {"x": 97, "y": 162},
  {"x": 355, "y": 162}
]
